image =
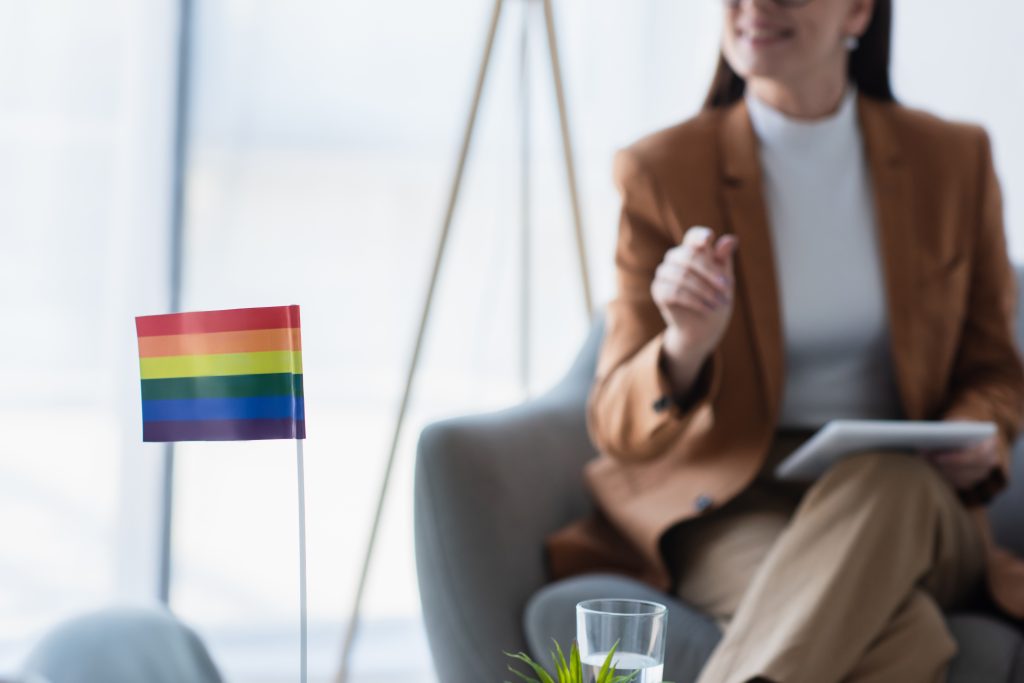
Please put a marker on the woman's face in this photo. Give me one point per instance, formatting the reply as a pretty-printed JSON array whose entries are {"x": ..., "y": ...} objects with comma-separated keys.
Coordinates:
[{"x": 765, "y": 39}]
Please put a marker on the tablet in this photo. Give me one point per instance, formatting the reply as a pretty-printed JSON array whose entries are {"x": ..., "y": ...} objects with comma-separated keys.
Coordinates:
[{"x": 840, "y": 438}]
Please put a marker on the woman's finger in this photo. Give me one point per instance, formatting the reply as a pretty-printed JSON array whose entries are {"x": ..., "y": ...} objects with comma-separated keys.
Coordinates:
[
  {"x": 699, "y": 236},
  {"x": 714, "y": 277},
  {"x": 724, "y": 250},
  {"x": 968, "y": 456},
  {"x": 672, "y": 287},
  {"x": 682, "y": 298},
  {"x": 698, "y": 241},
  {"x": 704, "y": 294},
  {"x": 962, "y": 476},
  {"x": 692, "y": 251},
  {"x": 664, "y": 292},
  {"x": 953, "y": 457},
  {"x": 699, "y": 266},
  {"x": 715, "y": 292},
  {"x": 690, "y": 307}
]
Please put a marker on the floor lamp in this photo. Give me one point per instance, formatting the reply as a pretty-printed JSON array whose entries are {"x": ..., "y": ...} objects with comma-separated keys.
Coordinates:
[{"x": 343, "y": 673}]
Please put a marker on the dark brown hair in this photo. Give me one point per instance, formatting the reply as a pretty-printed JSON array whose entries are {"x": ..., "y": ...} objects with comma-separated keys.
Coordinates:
[{"x": 869, "y": 64}]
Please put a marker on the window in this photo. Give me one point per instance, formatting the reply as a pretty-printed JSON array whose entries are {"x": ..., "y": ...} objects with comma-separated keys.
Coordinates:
[{"x": 84, "y": 121}]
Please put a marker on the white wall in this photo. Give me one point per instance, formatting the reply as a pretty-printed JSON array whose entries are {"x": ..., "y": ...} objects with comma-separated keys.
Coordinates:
[{"x": 964, "y": 61}]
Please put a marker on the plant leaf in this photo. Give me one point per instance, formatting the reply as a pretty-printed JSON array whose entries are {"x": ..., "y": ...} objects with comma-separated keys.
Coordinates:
[
  {"x": 560, "y": 664},
  {"x": 575, "y": 668},
  {"x": 603, "y": 676},
  {"x": 521, "y": 675},
  {"x": 543, "y": 675}
]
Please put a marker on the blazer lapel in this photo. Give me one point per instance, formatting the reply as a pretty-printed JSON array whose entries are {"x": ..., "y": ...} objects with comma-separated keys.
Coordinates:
[
  {"x": 892, "y": 187},
  {"x": 747, "y": 217},
  {"x": 746, "y": 213}
]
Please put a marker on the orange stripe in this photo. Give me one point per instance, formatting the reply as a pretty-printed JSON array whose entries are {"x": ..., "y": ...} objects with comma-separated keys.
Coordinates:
[{"x": 245, "y": 341}]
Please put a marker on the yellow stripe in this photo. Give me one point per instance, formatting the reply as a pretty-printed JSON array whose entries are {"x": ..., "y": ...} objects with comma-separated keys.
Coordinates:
[{"x": 219, "y": 364}]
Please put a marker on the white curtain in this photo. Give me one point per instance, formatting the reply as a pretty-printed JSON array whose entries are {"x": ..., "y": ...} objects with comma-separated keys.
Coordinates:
[{"x": 85, "y": 95}]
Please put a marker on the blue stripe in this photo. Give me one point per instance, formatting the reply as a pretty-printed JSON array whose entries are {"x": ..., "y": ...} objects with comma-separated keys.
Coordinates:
[{"x": 246, "y": 408}]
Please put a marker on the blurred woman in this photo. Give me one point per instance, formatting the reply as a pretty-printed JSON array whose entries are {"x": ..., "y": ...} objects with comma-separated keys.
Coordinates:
[{"x": 805, "y": 249}]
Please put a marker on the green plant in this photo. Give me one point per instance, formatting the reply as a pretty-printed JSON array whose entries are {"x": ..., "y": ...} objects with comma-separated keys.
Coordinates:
[{"x": 569, "y": 671}]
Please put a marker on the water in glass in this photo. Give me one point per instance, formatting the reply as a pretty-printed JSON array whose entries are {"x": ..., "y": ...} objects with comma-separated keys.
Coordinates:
[{"x": 625, "y": 664}]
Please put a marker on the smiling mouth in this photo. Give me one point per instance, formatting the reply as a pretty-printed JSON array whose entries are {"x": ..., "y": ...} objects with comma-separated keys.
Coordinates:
[{"x": 764, "y": 36}]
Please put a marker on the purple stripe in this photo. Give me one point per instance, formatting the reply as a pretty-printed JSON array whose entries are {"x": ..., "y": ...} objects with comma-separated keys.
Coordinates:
[{"x": 223, "y": 430}]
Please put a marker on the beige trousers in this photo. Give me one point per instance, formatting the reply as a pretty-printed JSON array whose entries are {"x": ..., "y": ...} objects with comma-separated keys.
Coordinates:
[{"x": 843, "y": 580}]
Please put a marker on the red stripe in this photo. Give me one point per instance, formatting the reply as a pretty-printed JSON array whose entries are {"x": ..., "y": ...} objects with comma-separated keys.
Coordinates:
[{"x": 232, "y": 320}]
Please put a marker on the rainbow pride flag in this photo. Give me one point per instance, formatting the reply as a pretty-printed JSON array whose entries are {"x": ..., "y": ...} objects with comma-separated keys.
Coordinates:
[{"x": 231, "y": 375}]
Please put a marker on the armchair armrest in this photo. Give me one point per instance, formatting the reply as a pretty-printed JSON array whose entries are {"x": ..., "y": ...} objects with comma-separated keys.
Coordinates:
[{"x": 488, "y": 489}]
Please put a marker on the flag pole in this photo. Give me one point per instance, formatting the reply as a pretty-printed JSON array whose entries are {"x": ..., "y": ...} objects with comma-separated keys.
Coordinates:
[
  {"x": 179, "y": 168},
  {"x": 303, "y": 615}
]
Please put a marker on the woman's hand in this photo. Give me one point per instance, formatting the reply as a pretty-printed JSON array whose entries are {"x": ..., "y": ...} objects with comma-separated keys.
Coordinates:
[
  {"x": 965, "y": 468},
  {"x": 693, "y": 289}
]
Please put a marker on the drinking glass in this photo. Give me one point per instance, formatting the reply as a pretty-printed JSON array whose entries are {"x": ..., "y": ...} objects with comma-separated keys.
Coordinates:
[{"x": 638, "y": 626}]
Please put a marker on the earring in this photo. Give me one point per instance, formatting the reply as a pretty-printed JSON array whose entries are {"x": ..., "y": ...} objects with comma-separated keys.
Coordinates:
[{"x": 852, "y": 43}]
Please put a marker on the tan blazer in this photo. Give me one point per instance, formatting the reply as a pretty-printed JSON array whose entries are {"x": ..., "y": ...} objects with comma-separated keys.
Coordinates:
[{"x": 950, "y": 298}]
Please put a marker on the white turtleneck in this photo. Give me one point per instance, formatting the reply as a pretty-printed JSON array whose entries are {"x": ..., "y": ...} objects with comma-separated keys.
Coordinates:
[{"x": 828, "y": 266}]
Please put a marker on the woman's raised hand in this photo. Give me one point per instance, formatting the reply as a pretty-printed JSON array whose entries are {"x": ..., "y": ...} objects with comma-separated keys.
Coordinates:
[{"x": 693, "y": 289}]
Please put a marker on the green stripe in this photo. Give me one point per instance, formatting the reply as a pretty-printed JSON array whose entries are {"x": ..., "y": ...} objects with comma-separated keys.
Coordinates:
[
  {"x": 257, "y": 363},
  {"x": 228, "y": 386}
]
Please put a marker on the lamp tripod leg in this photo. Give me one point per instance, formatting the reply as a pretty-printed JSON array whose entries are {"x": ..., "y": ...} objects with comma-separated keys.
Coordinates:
[
  {"x": 570, "y": 168},
  {"x": 343, "y": 673},
  {"x": 525, "y": 200}
]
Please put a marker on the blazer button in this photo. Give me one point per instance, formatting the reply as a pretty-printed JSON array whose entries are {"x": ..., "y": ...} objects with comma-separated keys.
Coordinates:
[
  {"x": 662, "y": 404},
  {"x": 703, "y": 503}
]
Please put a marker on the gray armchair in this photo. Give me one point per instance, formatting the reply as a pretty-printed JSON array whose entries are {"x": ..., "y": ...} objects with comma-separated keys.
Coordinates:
[
  {"x": 121, "y": 645},
  {"x": 490, "y": 487}
]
